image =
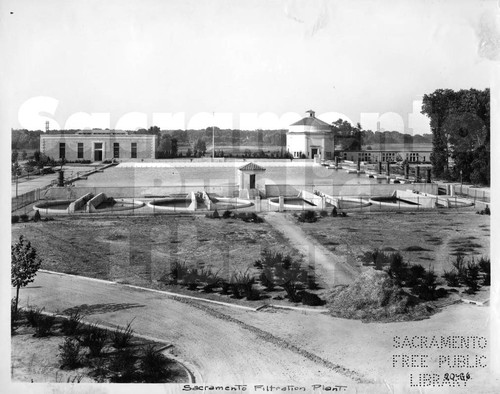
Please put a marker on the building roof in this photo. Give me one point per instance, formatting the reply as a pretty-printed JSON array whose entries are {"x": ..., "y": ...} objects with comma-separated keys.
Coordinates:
[
  {"x": 311, "y": 121},
  {"x": 102, "y": 132},
  {"x": 252, "y": 167}
]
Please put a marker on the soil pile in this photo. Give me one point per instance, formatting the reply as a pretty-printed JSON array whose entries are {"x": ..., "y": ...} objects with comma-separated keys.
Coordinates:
[{"x": 374, "y": 296}]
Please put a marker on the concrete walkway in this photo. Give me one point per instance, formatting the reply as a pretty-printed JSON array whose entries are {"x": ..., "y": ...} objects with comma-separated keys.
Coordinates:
[{"x": 331, "y": 270}]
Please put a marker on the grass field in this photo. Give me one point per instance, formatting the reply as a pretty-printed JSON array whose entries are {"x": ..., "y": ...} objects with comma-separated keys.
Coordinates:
[
  {"x": 431, "y": 238},
  {"x": 140, "y": 250}
]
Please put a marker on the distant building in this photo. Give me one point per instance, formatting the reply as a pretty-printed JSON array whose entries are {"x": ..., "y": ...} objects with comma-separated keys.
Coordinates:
[
  {"x": 414, "y": 153},
  {"x": 310, "y": 137},
  {"x": 98, "y": 145}
]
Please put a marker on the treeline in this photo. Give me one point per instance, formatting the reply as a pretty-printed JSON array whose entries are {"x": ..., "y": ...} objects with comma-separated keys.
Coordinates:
[
  {"x": 460, "y": 124},
  {"x": 353, "y": 138}
]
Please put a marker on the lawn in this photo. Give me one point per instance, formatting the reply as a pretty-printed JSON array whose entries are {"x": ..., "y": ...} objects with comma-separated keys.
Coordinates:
[
  {"x": 140, "y": 250},
  {"x": 431, "y": 238}
]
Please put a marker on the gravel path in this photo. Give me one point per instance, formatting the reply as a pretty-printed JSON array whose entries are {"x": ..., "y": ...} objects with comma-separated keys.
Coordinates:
[{"x": 326, "y": 264}]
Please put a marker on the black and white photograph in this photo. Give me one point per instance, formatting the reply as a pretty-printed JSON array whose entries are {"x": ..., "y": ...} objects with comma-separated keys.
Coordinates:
[{"x": 252, "y": 196}]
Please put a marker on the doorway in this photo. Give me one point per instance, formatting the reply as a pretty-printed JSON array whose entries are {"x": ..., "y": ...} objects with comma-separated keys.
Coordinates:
[
  {"x": 252, "y": 181},
  {"x": 97, "y": 151}
]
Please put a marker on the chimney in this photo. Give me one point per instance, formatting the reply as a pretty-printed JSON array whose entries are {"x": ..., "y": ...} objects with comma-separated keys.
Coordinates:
[{"x": 311, "y": 113}]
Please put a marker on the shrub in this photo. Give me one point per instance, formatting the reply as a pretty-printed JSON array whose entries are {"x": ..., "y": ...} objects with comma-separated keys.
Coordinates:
[
  {"x": 426, "y": 288},
  {"x": 398, "y": 269},
  {"x": 267, "y": 279},
  {"x": 311, "y": 282},
  {"x": 471, "y": 279},
  {"x": 452, "y": 278},
  {"x": 154, "y": 365},
  {"x": 334, "y": 212},
  {"x": 416, "y": 273},
  {"x": 33, "y": 315},
  {"x": 311, "y": 299},
  {"x": 307, "y": 217},
  {"x": 94, "y": 338},
  {"x": 36, "y": 216},
  {"x": 216, "y": 215},
  {"x": 71, "y": 324},
  {"x": 459, "y": 265},
  {"x": 226, "y": 214},
  {"x": 14, "y": 219},
  {"x": 69, "y": 353},
  {"x": 323, "y": 213},
  {"x": 122, "y": 336},
  {"x": 485, "y": 267},
  {"x": 24, "y": 217},
  {"x": 487, "y": 210},
  {"x": 122, "y": 366},
  {"x": 44, "y": 325},
  {"x": 177, "y": 272}
]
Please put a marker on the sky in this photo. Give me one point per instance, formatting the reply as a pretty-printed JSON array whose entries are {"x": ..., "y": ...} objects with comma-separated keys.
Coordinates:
[{"x": 245, "y": 64}]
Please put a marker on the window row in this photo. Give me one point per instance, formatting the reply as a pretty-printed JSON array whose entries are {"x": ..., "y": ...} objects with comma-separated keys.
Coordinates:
[{"x": 98, "y": 150}]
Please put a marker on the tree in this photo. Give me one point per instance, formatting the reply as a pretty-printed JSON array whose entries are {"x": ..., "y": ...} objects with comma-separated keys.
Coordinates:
[
  {"x": 24, "y": 265},
  {"x": 200, "y": 147},
  {"x": 173, "y": 150},
  {"x": 460, "y": 124},
  {"x": 14, "y": 156}
]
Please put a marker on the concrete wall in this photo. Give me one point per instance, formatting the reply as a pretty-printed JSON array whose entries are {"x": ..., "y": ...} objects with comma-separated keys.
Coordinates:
[
  {"x": 349, "y": 190},
  {"x": 96, "y": 201},
  {"x": 80, "y": 202}
]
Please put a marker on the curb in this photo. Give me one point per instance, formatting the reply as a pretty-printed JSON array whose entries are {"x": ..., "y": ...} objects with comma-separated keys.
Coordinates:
[
  {"x": 171, "y": 294},
  {"x": 192, "y": 373}
]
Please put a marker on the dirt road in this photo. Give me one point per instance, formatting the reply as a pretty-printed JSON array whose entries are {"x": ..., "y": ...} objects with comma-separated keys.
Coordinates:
[
  {"x": 326, "y": 264},
  {"x": 220, "y": 347}
]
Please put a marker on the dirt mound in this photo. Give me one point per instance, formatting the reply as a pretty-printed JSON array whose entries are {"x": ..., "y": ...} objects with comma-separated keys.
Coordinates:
[{"x": 374, "y": 296}]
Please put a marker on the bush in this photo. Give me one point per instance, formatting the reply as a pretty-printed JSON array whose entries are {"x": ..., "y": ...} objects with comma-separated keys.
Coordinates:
[
  {"x": 415, "y": 275},
  {"x": 226, "y": 214},
  {"x": 311, "y": 299},
  {"x": 122, "y": 336},
  {"x": 452, "y": 278},
  {"x": 71, "y": 324},
  {"x": 177, "y": 272},
  {"x": 14, "y": 219},
  {"x": 398, "y": 269},
  {"x": 94, "y": 338},
  {"x": 69, "y": 353},
  {"x": 307, "y": 217},
  {"x": 426, "y": 287},
  {"x": 485, "y": 267},
  {"x": 154, "y": 365},
  {"x": 37, "y": 217},
  {"x": 44, "y": 325},
  {"x": 334, "y": 212},
  {"x": 471, "y": 279},
  {"x": 323, "y": 213},
  {"x": 459, "y": 265},
  {"x": 123, "y": 367},
  {"x": 32, "y": 315},
  {"x": 24, "y": 217},
  {"x": 216, "y": 215}
]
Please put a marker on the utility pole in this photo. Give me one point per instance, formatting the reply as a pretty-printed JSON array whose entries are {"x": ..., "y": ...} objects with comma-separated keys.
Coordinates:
[{"x": 213, "y": 136}]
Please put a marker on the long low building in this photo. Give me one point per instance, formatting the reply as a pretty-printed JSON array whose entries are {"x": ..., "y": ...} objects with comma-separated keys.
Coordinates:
[
  {"x": 414, "y": 153},
  {"x": 98, "y": 145}
]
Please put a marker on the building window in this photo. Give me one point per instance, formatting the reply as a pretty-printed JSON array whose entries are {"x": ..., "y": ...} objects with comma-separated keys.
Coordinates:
[
  {"x": 62, "y": 150},
  {"x": 116, "y": 150},
  {"x": 80, "y": 150},
  {"x": 133, "y": 153}
]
